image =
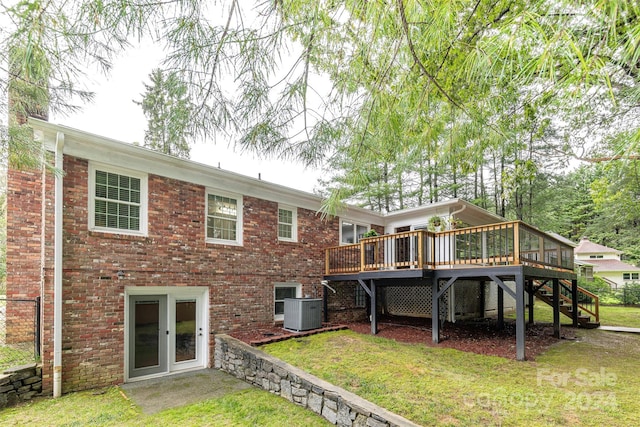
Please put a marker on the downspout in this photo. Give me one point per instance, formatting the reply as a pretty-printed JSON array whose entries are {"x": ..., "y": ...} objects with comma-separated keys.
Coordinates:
[
  {"x": 57, "y": 268},
  {"x": 458, "y": 211}
]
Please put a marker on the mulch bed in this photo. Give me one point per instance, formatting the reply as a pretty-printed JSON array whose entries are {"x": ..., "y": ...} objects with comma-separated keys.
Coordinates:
[{"x": 481, "y": 337}]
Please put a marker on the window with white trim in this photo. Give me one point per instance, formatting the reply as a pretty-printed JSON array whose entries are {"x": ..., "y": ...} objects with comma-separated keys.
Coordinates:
[
  {"x": 282, "y": 291},
  {"x": 117, "y": 200},
  {"x": 287, "y": 224},
  {"x": 351, "y": 232},
  {"x": 630, "y": 276},
  {"x": 224, "y": 218},
  {"x": 596, "y": 256}
]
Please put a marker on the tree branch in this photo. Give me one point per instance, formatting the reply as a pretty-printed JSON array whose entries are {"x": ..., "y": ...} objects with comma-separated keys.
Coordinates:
[{"x": 414, "y": 55}]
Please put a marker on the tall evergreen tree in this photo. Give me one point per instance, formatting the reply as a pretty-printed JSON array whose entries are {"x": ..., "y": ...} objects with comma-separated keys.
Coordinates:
[{"x": 167, "y": 107}]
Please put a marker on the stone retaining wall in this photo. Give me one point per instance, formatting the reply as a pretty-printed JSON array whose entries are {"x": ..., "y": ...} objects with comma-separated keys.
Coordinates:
[
  {"x": 20, "y": 384},
  {"x": 335, "y": 404}
]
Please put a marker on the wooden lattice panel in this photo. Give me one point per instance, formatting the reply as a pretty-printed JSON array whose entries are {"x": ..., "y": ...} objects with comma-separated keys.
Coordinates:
[{"x": 414, "y": 301}]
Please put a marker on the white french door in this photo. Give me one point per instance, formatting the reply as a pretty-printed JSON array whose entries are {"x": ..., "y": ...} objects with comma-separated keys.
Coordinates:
[{"x": 166, "y": 331}]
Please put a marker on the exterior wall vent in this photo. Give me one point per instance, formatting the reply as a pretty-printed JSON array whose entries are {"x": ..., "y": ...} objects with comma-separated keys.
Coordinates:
[{"x": 302, "y": 314}]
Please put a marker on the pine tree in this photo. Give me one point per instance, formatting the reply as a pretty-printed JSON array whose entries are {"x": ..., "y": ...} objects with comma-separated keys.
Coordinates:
[{"x": 167, "y": 107}]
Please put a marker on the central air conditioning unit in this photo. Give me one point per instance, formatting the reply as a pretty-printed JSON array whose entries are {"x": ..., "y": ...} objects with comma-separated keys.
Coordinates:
[{"x": 302, "y": 314}]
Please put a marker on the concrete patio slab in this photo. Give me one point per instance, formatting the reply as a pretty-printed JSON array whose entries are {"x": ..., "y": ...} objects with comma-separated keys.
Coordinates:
[{"x": 157, "y": 394}]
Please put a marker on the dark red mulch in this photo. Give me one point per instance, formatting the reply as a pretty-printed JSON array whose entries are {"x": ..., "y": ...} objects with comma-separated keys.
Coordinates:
[
  {"x": 481, "y": 337},
  {"x": 261, "y": 336}
]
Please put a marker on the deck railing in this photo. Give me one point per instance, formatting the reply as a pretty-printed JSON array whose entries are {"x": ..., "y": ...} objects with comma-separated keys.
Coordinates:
[
  {"x": 507, "y": 243},
  {"x": 587, "y": 301}
]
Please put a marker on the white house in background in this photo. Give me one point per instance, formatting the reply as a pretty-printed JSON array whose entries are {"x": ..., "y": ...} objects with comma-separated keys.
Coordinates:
[{"x": 606, "y": 263}]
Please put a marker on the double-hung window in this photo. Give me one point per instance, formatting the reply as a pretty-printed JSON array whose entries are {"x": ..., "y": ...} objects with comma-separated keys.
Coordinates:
[
  {"x": 287, "y": 224},
  {"x": 224, "y": 218},
  {"x": 351, "y": 232},
  {"x": 117, "y": 200},
  {"x": 282, "y": 291},
  {"x": 630, "y": 276}
]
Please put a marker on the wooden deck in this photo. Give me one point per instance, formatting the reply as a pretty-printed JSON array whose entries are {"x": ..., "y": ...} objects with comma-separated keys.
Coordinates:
[
  {"x": 538, "y": 263},
  {"x": 502, "y": 244}
]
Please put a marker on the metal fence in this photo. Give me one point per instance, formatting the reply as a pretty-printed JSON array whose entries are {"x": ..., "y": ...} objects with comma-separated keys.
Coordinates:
[
  {"x": 631, "y": 294},
  {"x": 19, "y": 331}
]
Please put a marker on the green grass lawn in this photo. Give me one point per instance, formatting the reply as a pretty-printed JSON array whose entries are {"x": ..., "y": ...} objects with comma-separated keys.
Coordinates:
[
  {"x": 589, "y": 381},
  {"x": 11, "y": 356},
  {"x": 609, "y": 315},
  {"x": 108, "y": 407},
  {"x": 620, "y": 316}
]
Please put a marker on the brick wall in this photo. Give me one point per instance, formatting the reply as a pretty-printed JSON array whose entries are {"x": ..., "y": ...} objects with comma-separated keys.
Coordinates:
[
  {"x": 174, "y": 253},
  {"x": 24, "y": 237},
  {"x": 342, "y": 307}
]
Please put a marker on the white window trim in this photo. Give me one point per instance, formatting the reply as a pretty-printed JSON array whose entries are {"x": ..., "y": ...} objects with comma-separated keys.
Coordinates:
[
  {"x": 355, "y": 225},
  {"x": 298, "y": 286},
  {"x": 294, "y": 223},
  {"x": 144, "y": 199},
  {"x": 239, "y": 221}
]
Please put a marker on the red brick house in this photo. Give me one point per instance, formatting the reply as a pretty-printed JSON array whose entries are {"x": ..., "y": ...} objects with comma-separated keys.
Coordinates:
[
  {"x": 144, "y": 240},
  {"x": 140, "y": 258}
]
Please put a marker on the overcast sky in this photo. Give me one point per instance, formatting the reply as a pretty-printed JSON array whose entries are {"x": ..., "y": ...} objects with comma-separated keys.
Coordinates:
[{"x": 113, "y": 114}]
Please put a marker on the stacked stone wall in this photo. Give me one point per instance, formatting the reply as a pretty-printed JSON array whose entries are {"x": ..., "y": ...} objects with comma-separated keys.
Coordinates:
[
  {"x": 20, "y": 384},
  {"x": 335, "y": 404}
]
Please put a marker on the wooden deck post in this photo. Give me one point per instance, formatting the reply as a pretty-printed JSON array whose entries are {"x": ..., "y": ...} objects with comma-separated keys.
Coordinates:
[
  {"x": 327, "y": 269},
  {"x": 516, "y": 242},
  {"x": 520, "y": 324},
  {"x": 556, "y": 308},
  {"x": 574, "y": 302},
  {"x": 421, "y": 248}
]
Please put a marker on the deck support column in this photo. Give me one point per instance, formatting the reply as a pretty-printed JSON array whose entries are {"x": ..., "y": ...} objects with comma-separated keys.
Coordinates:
[
  {"x": 325, "y": 304},
  {"x": 520, "y": 323},
  {"x": 556, "y": 308},
  {"x": 531, "y": 300},
  {"x": 374, "y": 308},
  {"x": 483, "y": 305},
  {"x": 500, "y": 307},
  {"x": 435, "y": 311},
  {"x": 574, "y": 302}
]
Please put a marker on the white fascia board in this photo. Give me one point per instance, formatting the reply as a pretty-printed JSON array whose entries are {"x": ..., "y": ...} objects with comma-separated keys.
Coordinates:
[
  {"x": 440, "y": 208},
  {"x": 419, "y": 214}
]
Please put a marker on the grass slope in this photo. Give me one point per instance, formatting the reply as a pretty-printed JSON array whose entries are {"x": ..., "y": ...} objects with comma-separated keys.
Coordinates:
[{"x": 586, "y": 382}]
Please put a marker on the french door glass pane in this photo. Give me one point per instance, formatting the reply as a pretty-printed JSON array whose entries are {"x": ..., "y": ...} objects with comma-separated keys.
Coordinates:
[
  {"x": 185, "y": 330},
  {"x": 147, "y": 327}
]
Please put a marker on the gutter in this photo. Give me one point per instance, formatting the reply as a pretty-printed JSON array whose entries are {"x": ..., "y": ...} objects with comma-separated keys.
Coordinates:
[
  {"x": 57, "y": 267},
  {"x": 458, "y": 211}
]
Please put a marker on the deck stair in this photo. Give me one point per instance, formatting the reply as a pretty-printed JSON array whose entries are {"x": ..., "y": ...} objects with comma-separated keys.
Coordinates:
[{"x": 588, "y": 303}]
